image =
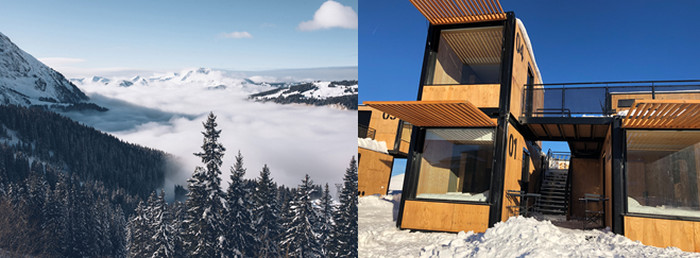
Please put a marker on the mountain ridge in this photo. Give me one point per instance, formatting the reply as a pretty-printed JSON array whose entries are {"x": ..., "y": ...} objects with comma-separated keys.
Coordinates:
[{"x": 26, "y": 81}]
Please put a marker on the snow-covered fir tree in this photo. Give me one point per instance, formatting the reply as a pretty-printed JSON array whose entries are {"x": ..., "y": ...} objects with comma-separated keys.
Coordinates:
[
  {"x": 326, "y": 223},
  {"x": 300, "y": 240},
  {"x": 267, "y": 214},
  {"x": 162, "y": 239},
  {"x": 238, "y": 219},
  {"x": 55, "y": 218},
  {"x": 205, "y": 232},
  {"x": 344, "y": 242},
  {"x": 140, "y": 232}
]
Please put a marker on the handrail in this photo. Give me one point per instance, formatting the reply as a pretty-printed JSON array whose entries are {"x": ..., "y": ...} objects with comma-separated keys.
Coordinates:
[
  {"x": 593, "y": 98},
  {"x": 614, "y": 82},
  {"x": 364, "y": 131}
]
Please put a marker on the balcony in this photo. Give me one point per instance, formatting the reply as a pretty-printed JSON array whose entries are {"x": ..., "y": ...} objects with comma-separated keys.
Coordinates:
[
  {"x": 600, "y": 99},
  {"x": 364, "y": 131}
]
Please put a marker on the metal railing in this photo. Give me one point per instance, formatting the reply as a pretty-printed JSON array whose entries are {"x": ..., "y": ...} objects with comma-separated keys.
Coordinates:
[
  {"x": 596, "y": 98},
  {"x": 364, "y": 131}
]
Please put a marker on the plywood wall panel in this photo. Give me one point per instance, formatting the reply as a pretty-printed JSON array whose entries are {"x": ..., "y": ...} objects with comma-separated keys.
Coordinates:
[
  {"x": 374, "y": 172},
  {"x": 586, "y": 177},
  {"x": 450, "y": 217},
  {"x": 664, "y": 233},
  {"x": 481, "y": 95},
  {"x": 513, "y": 169}
]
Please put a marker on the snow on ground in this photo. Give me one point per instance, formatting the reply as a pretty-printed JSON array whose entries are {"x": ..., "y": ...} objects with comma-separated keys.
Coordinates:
[{"x": 517, "y": 237}]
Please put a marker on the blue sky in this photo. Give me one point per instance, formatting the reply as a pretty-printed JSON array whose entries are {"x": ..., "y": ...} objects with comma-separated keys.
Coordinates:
[
  {"x": 573, "y": 41},
  {"x": 167, "y": 35}
]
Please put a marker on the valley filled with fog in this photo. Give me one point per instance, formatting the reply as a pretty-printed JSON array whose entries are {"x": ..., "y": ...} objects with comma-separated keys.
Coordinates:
[{"x": 165, "y": 111}]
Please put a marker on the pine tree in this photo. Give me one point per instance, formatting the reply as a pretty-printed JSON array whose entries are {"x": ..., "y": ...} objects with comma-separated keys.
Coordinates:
[
  {"x": 300, "y": 240},
  {"x": 163, "y": 232},
  {"x": 139, "y": 233},
  {"x": 240, "y": 234},
  {"x": 205, "y": 232},
  {"x": 54, "y": 225},
  {"x": 267, "y": 214},
  {"x": 179, "y": 212},
  {"x": 326, "y": 220},
  {"x": 344, "y": 241}
]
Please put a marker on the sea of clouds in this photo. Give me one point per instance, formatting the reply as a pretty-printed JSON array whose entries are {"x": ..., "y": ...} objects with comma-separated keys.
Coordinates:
[{"x": 293, "y": 140}]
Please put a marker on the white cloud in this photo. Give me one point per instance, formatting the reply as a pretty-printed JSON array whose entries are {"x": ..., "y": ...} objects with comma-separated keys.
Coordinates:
[
  {"x": 331, "y": 14},
  {"x": 237, "y": 35},
  {"x": 60, "y": 61}
]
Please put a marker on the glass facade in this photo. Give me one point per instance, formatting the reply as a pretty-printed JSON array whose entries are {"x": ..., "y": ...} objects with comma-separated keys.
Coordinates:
[
  {"x": 662, "y": 167},
  {"x": 456, "y": 164},
  {"x": 466, "y": 56}
]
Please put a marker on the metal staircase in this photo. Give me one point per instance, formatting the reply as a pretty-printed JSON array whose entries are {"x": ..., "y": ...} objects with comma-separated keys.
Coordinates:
[
  {"x": 554, "y": 188},
  {"x": 553, "y": 191}
]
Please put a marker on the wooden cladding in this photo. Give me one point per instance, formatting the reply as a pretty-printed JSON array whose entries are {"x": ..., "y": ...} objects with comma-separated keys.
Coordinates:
[
  {"x": 435, "y": 113},
  {"x": 669, "y": 114},
  {"x": 664, "y": 233},
  {"x": 476, "y": 46},
  {"x": 451, "y": 217},
  {"x": 459, "y": 11}
]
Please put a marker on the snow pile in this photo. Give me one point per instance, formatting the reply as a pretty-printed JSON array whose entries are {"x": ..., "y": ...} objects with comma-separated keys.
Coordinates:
[
  {"x": 378, "y": 235},
  {"x": 370, "y": 144},
  {"x": 517, "y": 237}
]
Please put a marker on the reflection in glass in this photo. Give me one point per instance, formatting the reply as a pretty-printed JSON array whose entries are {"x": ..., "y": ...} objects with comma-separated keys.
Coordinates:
[
  {"x": 456, "y": 164},
  {"x": 662, "y": 168}
]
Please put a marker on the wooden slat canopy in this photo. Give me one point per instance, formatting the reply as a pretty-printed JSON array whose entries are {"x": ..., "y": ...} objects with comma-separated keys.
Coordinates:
[
  {"x": 476, "y": 45},
  {"x": 459, "y": 11},
  {"x": 671, "y": 114},
  {"x": 435, "y": 113}
]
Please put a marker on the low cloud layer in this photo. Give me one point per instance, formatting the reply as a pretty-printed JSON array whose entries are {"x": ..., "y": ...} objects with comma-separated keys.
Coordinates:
[
  {"x": 331, "y": 14},
  {"x": 292, "y": 139}
]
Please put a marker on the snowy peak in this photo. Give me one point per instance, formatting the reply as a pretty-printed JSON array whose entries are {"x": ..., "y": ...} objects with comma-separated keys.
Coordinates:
[
  {"x": 202, "y": 77},
  {"x": 26, "y": 81},
  {"x": 342, "y": 93}
]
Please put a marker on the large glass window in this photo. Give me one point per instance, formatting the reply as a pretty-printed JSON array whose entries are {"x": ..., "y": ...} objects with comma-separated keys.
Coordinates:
[
  {"x": 662, "y": 167},
  {"x": 467, "y": 56},
  {"x": 456, "y": 164}
]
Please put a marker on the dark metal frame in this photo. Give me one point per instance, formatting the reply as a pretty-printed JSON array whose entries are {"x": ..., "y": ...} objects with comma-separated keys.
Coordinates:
[
  {"x": 499, "y": 157},
  {"x": 496, "y": 196},
  {"x": 618, "y": 176}
]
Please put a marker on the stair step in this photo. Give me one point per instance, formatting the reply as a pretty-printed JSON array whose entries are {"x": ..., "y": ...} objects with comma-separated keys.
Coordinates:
[
  {"x": 548, "y": 211},
  {"x": 556, "y": 203},
  {"x": 553, "y": 189},
  {"x": 552, "y": 206},
  {"x": 559, "y": 197}
]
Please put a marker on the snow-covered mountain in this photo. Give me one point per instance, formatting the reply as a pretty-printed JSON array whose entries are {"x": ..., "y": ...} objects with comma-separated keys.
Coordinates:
[
  {"x": 26, "y": 81},
  {"x": 205, "y": 78},
  {"x": 341, "y": 93}
]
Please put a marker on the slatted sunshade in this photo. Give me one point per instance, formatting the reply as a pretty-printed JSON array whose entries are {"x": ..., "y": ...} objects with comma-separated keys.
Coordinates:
[
  {"x": 435, "y": 113},
  {"x": 476, "y": 46},
  {"x": 661, "y": 140},
  {"x": 459, "y": 11},
  {"x": 672, "y": 114}
]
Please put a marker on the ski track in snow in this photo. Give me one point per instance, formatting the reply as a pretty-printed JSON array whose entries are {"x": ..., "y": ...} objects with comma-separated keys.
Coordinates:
[{"x": 517, "y": 237}]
